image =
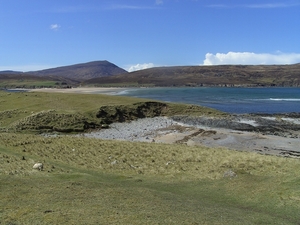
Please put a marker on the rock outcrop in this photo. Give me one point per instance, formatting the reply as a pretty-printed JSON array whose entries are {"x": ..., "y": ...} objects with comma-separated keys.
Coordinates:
[
  {"x": 286, "y": 125},
  {"x": 123, "y": 113}
]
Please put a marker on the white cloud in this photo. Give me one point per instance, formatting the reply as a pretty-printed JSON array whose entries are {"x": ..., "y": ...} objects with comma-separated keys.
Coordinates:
[
  {"x": 250, "y": 58},
  {"x": 54, "y": 27},
  {"x": 140, "y": 67}
]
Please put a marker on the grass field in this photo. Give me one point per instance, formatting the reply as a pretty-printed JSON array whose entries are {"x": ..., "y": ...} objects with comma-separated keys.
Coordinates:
[
  {"x": 30, "y": 111},
  {"x": 92, "y": 181},
  {"x": 27, "y": 83}
]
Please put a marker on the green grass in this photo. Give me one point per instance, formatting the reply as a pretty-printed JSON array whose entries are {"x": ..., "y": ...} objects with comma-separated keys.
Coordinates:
[
  {"x": 37, "y": 101},
  {"x": 92, "y": 181},
  {"x": 79, "y": 103},
  {"x": 80, "y": 183},
  {"x": 17, "y": 107},
  {"x": 122, "y": 84},
  {"x": 36, "y": 112},
  {"x": 27, "y": 83}
]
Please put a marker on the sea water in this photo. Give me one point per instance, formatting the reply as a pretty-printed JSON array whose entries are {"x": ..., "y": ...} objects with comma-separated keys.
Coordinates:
[{"x": 231, "y": 100}]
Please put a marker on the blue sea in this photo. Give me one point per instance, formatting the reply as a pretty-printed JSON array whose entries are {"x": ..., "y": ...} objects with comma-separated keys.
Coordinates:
[{"x": 231, "y": 100}]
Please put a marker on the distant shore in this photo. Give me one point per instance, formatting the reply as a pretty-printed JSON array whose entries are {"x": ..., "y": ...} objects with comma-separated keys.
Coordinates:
[
  {"x": 272, "y": 134},
  {"x": 82, "y": 90}
]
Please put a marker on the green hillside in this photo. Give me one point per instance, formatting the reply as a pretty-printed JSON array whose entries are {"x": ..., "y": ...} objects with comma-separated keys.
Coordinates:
[{"x": 224, "y": 75}]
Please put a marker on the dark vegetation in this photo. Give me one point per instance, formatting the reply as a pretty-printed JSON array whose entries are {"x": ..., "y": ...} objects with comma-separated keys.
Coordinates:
[
  {"x": 60, "y": 77},
  {"x": 23, "y": 80},
  {"x": 224, "y": 75},
  {"x": 104, "y": 74},
  {"x": 83, "y": 71}
]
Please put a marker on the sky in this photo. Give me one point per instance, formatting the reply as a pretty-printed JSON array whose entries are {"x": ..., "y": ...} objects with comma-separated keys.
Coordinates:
[{"x": 138, "y": 34}]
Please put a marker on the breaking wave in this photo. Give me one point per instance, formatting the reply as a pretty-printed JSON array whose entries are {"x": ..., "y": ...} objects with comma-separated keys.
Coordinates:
[{"x": 286, "y": 99}]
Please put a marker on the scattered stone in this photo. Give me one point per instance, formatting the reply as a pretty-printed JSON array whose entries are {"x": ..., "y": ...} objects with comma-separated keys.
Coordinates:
[
  {"x": 137, "y": 130},
  {"x": 48, "y": 211},
  {"x": 169, "y": 162},
  {"x": 250, "y": 132},
  {"x": 114, "y": 162},
  {"x": 230, "y": 174}
]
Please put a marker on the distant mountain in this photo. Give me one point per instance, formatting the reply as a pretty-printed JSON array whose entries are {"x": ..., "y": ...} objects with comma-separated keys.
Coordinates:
[
  {"x": 10, "y": 72},
  {"x": 28, "y": 77},
  {"x": 24, "y": 80},
  {"x": 222, "y": 75},
  {"x": 82, "y": 71},
  {"x": 104, "y": 73}
]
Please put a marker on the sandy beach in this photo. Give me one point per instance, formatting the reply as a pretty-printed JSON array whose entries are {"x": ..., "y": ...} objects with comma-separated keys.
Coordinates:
[
  {"x": 167, "y": 130},
  {"x": 82, "y": 90}
]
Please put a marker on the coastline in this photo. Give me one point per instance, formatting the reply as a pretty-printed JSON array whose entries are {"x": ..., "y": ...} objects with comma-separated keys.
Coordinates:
[
  {"x": 167, "y": 130},
  {"x": 171, "y": 131},
  {"x": 82, "y": 90}
]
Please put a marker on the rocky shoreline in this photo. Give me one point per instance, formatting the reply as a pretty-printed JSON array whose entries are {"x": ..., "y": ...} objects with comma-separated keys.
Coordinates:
[
  {"x": 276, "y": 134},
  {"x": 284, "y": 125}
]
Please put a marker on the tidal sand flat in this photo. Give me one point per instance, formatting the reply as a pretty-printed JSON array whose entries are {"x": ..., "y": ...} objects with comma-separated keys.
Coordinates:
[
  {"x": 82, "y": 90},
  {"x": 243, "y": 137}
]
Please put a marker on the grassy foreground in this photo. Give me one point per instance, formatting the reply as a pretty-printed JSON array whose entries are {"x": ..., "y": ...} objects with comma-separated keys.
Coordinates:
[{"x": 92, "y": 181}]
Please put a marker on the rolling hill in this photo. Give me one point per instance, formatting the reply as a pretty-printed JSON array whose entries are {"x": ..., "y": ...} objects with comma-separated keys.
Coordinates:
[
  {"x": 61, "y": 77},
  {"x": 82, "y": 71},
  {"x": 24, "y": 80},
  {"x": 104, "y": 73},
  {"x": 223, "y": 75}
]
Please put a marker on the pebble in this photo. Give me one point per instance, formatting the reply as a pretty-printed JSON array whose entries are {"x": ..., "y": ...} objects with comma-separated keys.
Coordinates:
[{"x": 137, "y": 130}]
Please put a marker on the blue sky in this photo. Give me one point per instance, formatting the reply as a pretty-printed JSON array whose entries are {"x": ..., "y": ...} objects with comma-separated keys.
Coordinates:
[{"x": 136, "y": 34}]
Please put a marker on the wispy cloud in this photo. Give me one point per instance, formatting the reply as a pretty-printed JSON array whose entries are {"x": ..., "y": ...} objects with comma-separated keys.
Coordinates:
[
  {"x": 54, "y": 27},
  {"x": 250, "y": 58},
  {"x": 136, "y": 6},
  {"x": 132, "y": 7},
  {"x": 159, "y": 2},
  {"x": 62, "y": 9},
  {"x": 256, "y": 6},
  {"x": 272, "y": 5},
  {"x": 219, "y": 6},
  {"x": 140, "y": 67},
  {"x": 101, "y": 7}
]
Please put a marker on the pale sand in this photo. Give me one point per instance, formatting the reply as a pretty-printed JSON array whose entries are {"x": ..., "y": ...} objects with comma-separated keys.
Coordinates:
[
  {"x": 236, "y": 140},
  {"x": 165, "y": 130},
  {"x": 231, "y": 139},
  {"x": 82, "y": 90}
]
